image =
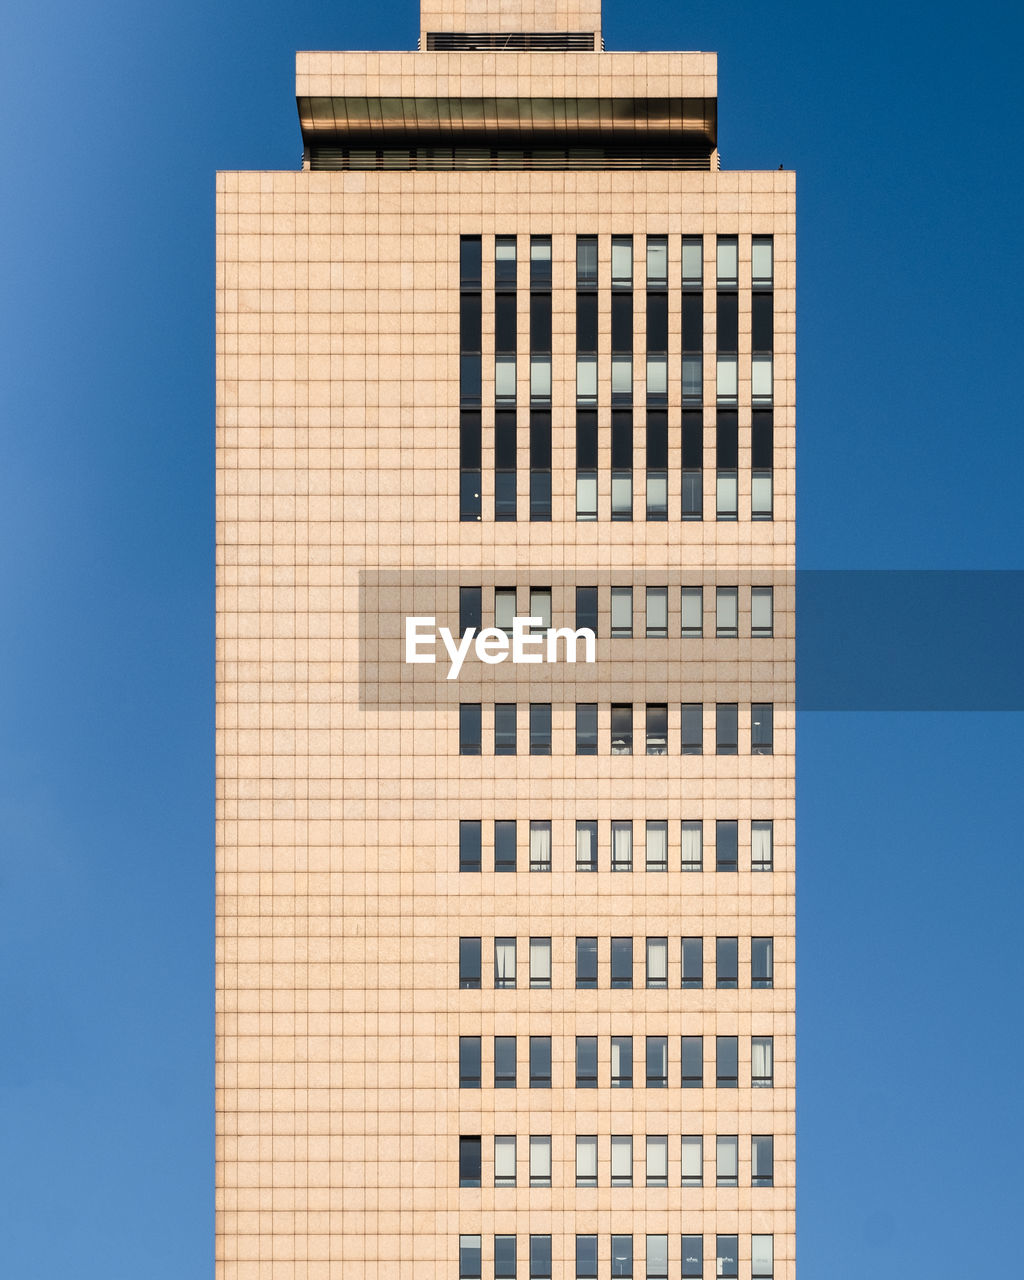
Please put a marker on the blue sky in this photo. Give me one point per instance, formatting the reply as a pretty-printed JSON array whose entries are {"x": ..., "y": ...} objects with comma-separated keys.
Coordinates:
[{"x": 903, "y": 121}]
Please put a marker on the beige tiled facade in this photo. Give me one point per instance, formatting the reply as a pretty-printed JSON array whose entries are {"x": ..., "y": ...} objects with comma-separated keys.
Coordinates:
[{"x": 341, "y": 787}]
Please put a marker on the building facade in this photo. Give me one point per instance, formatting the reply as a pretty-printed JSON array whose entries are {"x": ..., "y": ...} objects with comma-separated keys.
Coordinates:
[{"x": 505, "y": 941}]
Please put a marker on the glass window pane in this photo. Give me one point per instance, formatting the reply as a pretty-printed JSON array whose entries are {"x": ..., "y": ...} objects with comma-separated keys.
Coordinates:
[
  {"x": 762, "y": 490},
  {"x": 657, "y": 846},
  {"x": 727, "y": 260},
  {"x": 622, "y": 846},
  {"x": 693, "y": 1257},
  {"x": 761, "y": 260},
  {"x": 540, "y": 962},
  {"x": 622, "y": 262},
  {"x": 726, "y": 378},
  {"x": 727, "y": 1161},
  {"x": 761, "y": 612},
  {"x": 693, "y": 963},
  {"x": 622, "y": 1161},
  {"x": 504, "y": 1257},
  {"x": 657, "y": 375},
  {"x": 693, "y": 612},
  {"x": 504, "y": 963},
  {"x": 726, "y": 844},
  {"x": 727, "y": 1256},
  {"x": 693, "y": 844},
  {"x": 762, "y": 728},
  {"x": 693, "y": 260},
  {"x": 726, "y": 963},
  {"x": 586, "y": 846},
  {"x": 504, "y": 1160},
  {"x": 692, "y": 1051},
  {"x": 693, "y": 377},
  {"x": 540, "y": 1162},
  {"x": 726, "y": 729},
  {"x": 586, "y": 496},
  {"x": 761, "y": 379},
  {"x": 657, "y": 1257},
  {"x": 505, "y": 845},
  {"x": 762, "y": 1160},
  {"x": 657, "y": 611},
  {"x": 762, "y": 1257},
  {"x": 540, "y": 378},
  {"x": 657, "y": 495},
  {"x": 657, "y": 1160},
  {"x": 540, "y": 728},
  {"x": 692, "y": 728},
  {"x": 469, "y": 963},
  {"x": 540, "y": 846},
  {"x": 469, "y": 728},
  {"x": 586, "y": 1161},
  {"x": 622, "y": 611},
  {"x": 693, "y": 1160},
  {"x": 762, "y": 1061},
  {"x": 586, "y": 379},
  {"x": 657, "y": 261},
  {"x": 761, "y": 842},
  {"x": 505, "y": 379},
  {"x": 586, "y": 260},
  {"x": 469, "y": 845},
  {"x": 657, "y": 962},
  {"x": 586, "y": 1258},
  {"x": 469, "y": 1257},
  {"x": 622, "y": 376},
  {"x": 727, "y": 611},
  {"x": 762, "y": 962},
  {"x": 622, "y": 495}
]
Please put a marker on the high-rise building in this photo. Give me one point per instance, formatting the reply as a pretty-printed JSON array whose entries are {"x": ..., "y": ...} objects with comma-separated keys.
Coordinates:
[{"x": 505, "y": 941}]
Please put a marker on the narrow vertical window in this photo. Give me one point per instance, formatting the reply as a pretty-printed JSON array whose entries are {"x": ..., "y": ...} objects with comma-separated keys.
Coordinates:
[
  {"x": 693, "y": 464},
  {"x": 657, "y": 1258},
  {"x": 504, "y": 1062},
  {"x": 622, "y": 1257},
  {"x": 540, "y": 1062},
  {"x": 622, "y": 377},
  {"x": 470, "y": 609},
  {"x": 469, "y": 1257},
  {"x": 622, "y": 1062},
  {"x": 586, "y": 1062},
  {"x": 506, "y": 328},
  {"x": 469, "y": 1161},
  {"x": 622, "y": 464},
  {"x": 726, "y": 844},
  {"x": 657, "y": 377},
  {"x": 586, "y": 728},
  {"x": 693, "y": 320},
  {"x": 692, "y": 1253},
  {"x": 726, "y": 462},
  {"x": 657, "y": 729},
  {"x": 586, "y": 846},
  {"x": 692, "y": 1160},
  {"x": 540, "y": 846},
  {"x": 470, "y": 359},
  {"x": 693, "y": 963},
  {"x": 540, "y": 1161},
  {"x": 540, "y": 964},
  {"x": 586, "y": 608},
  {"x": 762, "y": 306},
  {"x": 469, "y": 1062},
  {"x": 586, "y": 378},
  {"x": 586, "y": 1252},
  {"x": 692, "y": 832},
  {"x": 727, "y": 262},
  {"x": 504, "y": 1257},
  {"x": 727, "y": 1160},
  {"x": 761, "y": 845},
  {"x": 657, "y": 846},
  {"x": 727, "y": 1257},
  {"x": 726, "y": 729},
  {"x": 692, "y": 1052},
  {"x": 586, "y": 964},
  {"x": 692, "y": 728},
  {"x": 540, "y": 728},
  {"x": 540, "y": 377},
  {"x": 505, "y": 844},
  {"x": 622, "y": 846},
  {"x": 657, "y": 612},
  {"x": 762, "y": 1257},
  {"x": 622, "y": 729},
  {"x": 469, "y": 845},
  {"x": 726, "y": 1062},
  {"x": 762, "y": 962},
  {"x": 657, "y": 464},
  {"x": 504, "y": 964},
  {"x": 762, "y": 461},
  {"x": 762, "y": 613},
  {"x": 504, "y": 608},
  {"x": 622, "y": 1160},
  {"x": 505, "y": 1161},
  {"x": 622, "y": 963},
  {"x": 693, "y": 612},
  {"x": 762, "y": 729},
  {"x": 727, "y": 612},
  {"x": 657, "y": 1062},
  {"x": 622, "y": 612},
  {"x": 657, "y": 1160},
  {"x": 586, "y": 1174},
  {"x": 540, "y": 1258},
  {"x": 469, "y": 728},
  {"x": 469, "y": 964},
  {"x": 762, "y": 1061},
  {"x": 505, "y": 729},
  {"x": 762, "y": 1160},
  {"x": 726, "y": 963}
]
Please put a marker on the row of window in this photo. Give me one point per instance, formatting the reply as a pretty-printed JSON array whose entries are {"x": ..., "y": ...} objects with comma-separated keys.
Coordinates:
[
  {"x": 654, "y": 740},
  {"x": 620, "y": 964},
  {"x": 621, "y": 611},
  {"x": 619, "y": 1172},
  {"x": 617, "y": 1259},
  {"x": 655, "y": 1075},
  {"x": 654, "y": 502},
  {"x": 691, "y": 846}
]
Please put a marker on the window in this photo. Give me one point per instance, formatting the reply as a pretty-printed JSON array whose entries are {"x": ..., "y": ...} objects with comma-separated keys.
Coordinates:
[
  {"x": 693, "y": 963},
  {"x": 657, "y": 729},
  {"x": 540, "y": 963},
  {"x": 586, "y": 846},
  {"x": 504, "y": 1257},
  {"x": 727, "y": 261},
  {"x": 762, "y": 1160},
  {"x": 762, "y": 952},
  {"x": 693, "y": 844},
  {"x": 504, "y": 963},
  {"x": 622, "y": 612},
  {"x": 693, "y": 262},
  {"x": 540, "y": 1258},
  {"x": 586, "y": 1161},
  {"x": 726, "y": 492},
  {"x": 540, "y": 1161},
  {"x": 727, "y": 732},
  {"x": 726, "y": 844},
  {"x": 693, "y": 446},
  {"x": 727, "y": 1062},
  {"x": 726, "y": 963},
  {"x": 761, "y": 845},
  {"x": 692, "y": 1048},
  {"x": 762, "y": 612},
  {"x": 470, "y": 608},
  {"x": 540, "y": 728},
  {"x": 469, "y": 1257},
  {"x": 586, "y": 608},
  {"x": 727, "y": 1161},
  {"x": 505, "y": 443},
  {"x": 586, "y": 963},
  {"x": 586, "y": 728},
  {"x": 622, "y": 262},
  {"x": 586, "y": 1258},
  {"x": 504, "y": 1062},
  {"x": 622, "y": 846},
  {"x": 761, "y": 380},
  {"x": 469, "y": 729},
  {"x": 469, "y": 1062},
  {"x": 469, "y": 1162},
  {"x": 657, "y": 1258},
  {"x": 622, "y": 729},
  {"x": 540, "y": 1062},
  {"x": 693, "y": 1257},
  {"x": 693, "y": 612},
  {"x": 657, "y": 962},
  {"x": 622, "y": 962},
  {"x": 505, "y": 845},
  {"x": 693, "y": 1160},
  {"x": 586, "y": 262},
  {"x": 762, "y": 730},
  {"x": 762, "y": 1257},
  {"x": 692, "y": 729},
  {"x": 657, "y": 612},
  {"x": 727, "y": 1257},
  {"x": 540, "y": 846},
  {"x": 622, "y": 1062},
  {"x": 505, "y": 729},
  {"x": 504, "y": 1160},
  {"x": 657, "y": 1160},
  {"x": 504, "y": 608},
  {"x": 469, "y": 845},
  {"x": 657, "y": 846},
  {"x": 727, "y": 612},
  {"x": 540, "y": 607},
  {"x": 762, "y": 1062},
  {"x": 761, "y": 261},
  {"x": 586, "y": 1062},
  {"x": 657, "y": 1062},
  {"x": 469, "y": 963},
  {"x": 622, "y": 1161},
  {"x": 622, "y": 1256}
]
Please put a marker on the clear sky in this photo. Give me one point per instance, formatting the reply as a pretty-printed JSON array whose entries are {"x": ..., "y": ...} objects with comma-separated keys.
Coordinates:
[{"x": 903, "y": 121}]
